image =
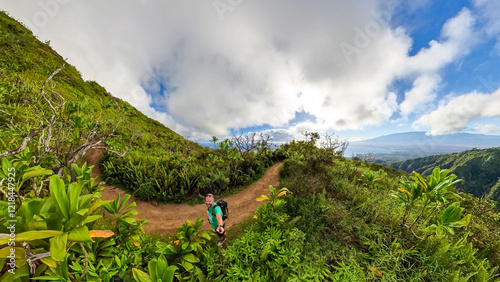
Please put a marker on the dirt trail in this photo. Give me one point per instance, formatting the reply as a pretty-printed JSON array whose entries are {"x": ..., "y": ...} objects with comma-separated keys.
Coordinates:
[{"x": 164, "y": 218}]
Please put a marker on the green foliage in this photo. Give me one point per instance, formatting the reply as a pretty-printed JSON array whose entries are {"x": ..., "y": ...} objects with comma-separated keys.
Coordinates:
[
  {"x": 450, "y": 218},
  {"x": 270, "y": 250},
  {"x": 126, "y": 226},
  {"x": 159, "y": 271},
  {"x": 358, "y": 227},
  {"x": 479, "y": 169},
  {"x": 171, "y": 177},
  {"x": 54, "y": 238},
  {"x": 429, "y": 196},
  {"x": 186, "y": 252}
]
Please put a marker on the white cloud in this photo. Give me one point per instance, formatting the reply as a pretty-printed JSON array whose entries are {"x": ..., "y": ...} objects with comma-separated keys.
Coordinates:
[
  {"x": 459, "y": 111},
  {"x": 259, "y": 62},
  {"x": 486, "y": 128},
  {"x": 488, "y": 10},
  {"x": 458, "y": 38}
]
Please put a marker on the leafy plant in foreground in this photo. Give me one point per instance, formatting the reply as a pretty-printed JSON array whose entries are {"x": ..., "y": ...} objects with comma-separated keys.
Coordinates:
[
  {"x": 186, "y": 251},
  {"x": 158, "y": 271},
  {"x": 427, "y": 195}
]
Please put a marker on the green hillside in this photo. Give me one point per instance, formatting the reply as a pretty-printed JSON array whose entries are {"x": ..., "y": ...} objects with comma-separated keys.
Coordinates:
[
  {"x": 26, "y": 63},
  {"x": 479, "y": 168}
]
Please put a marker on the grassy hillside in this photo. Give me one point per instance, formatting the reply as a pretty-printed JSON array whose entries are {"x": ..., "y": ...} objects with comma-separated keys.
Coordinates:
[
  {"x": 26, "y": 63},
  {"x": 479, "y": 168}
]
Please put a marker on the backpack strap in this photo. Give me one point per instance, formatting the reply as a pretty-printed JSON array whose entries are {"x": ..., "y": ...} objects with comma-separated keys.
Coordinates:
[{"x": 213, "y": 208}]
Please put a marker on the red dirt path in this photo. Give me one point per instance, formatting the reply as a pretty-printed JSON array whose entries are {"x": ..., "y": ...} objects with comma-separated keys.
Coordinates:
[{"x": 164, "y": 218}]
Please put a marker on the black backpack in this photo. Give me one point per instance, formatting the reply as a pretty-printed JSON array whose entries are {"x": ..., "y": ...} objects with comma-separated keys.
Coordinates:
[{"x": 223, "y": 206}]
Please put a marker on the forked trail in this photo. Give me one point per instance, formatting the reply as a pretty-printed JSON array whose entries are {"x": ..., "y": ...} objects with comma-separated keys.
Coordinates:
[{"x": 164, "y": 218}]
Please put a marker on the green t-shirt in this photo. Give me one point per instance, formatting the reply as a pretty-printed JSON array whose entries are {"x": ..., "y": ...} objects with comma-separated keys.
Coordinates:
[{"x": 212, "y": 218}]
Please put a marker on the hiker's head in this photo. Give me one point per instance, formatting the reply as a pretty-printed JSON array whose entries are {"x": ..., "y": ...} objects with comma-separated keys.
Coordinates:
[{"x": 209, "y": 200}]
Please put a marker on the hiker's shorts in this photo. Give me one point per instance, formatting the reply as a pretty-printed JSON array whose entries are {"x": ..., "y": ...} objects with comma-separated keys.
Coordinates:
[{"x": 221, "y": 234}]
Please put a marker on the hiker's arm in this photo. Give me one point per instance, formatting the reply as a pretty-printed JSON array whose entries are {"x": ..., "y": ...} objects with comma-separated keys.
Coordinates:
[{"x": 219, "y": 222}]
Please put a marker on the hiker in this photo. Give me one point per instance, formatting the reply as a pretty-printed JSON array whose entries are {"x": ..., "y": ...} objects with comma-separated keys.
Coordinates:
[{"x": 215, "y": 218}]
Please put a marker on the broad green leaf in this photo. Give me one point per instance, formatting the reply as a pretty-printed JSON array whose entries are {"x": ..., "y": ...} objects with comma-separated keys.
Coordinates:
[
  {"x": 36, "y": 172},
  {"x": 187, "y": 266},
  {"x": 58, "y": 247},
  {"x": 262, "y": 198},
  {"x": 80, "y": 234},
  {"x": 136, "y": 240},
  {"x": 96, "y": 205},
  {"x": 168, "y": 275},
  {"x": 449, "y": 229},
  {"x": 170, "y": 250},
  {"x": 129, "y": 220},
  {"x": 74, "y": 221},
  {"x": 185, "y": 245},
  {"x": 58, "y": 191},
  {"x": 153, "y": 268},
  {"x": 84, "y": 201},
  {"x": 37, "y": 223},
  {"x": 141, "y": 276},
  {"x": 431, "y": 229},
  {"x": 164, "y": 269},
  {"x": 31, "y": 235},
  {"x": 91, "y": 219},
  {"x": 205, "y": 234},
  {"x": 50, "y": 262},
  {"x": 125, "y": 199},
  {"x": 463, "y": 222},
  {"x": 130, "y": 213},
  {"x": 74, "y": 190},
  {"x": 440, "y": 231},
  {"x": 452, "y": 213},
  {"x": 18, "y": 251},
  {"x": 131, "y": 205},
  {"x": 190, "y": 258},
  {"x": 82, "y": 212},
  {"x": 198, "y": 223}
]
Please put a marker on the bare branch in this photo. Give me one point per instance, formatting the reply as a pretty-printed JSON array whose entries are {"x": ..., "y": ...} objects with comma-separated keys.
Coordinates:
[
  {"x": 115, "y": 152},
  {"x": 86, "y": 262},
  {"x": 31, "y": 258},
  {"x": 42, "y": 90},
  {"x": 24, "y": 144},
  {"x": 3, "y": 192},
  {"x": 112, "y": 151}
]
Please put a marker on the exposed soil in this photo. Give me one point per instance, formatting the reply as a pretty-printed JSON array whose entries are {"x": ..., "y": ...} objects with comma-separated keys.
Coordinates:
[{"x": 164, "y": 218}]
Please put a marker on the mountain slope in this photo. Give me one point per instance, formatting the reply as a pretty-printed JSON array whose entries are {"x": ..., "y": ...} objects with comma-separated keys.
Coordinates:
[
  {"x": 479, "y": 168},
  {"x": 438, "y": 143},
  {"x": 26, "y": 63},
  {"x": 409, "y": 145}
]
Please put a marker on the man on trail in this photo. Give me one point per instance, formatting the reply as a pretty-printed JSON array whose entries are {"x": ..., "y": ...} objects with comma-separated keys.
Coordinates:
[{"x": 215, "y": 218}]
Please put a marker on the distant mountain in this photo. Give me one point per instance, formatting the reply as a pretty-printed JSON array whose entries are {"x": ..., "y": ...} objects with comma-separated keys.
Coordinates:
[
  {"x": 479, "y": 168},
  {"x": 417, "y": 144}
]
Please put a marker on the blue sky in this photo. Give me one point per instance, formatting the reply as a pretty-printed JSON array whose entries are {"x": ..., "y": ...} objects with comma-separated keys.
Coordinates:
[{"x": 357, "y": 68}]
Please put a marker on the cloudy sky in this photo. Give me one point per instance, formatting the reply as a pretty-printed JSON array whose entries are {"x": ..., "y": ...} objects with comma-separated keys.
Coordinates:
[{"x": 359, "y": 68}]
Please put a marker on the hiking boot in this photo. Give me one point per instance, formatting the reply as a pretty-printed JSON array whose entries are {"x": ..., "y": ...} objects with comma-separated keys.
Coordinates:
[{"x": 221, "y": 242}]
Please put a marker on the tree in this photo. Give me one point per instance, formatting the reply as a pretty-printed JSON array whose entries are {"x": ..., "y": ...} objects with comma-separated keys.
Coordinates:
[{"x": 62, "y": 132}]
